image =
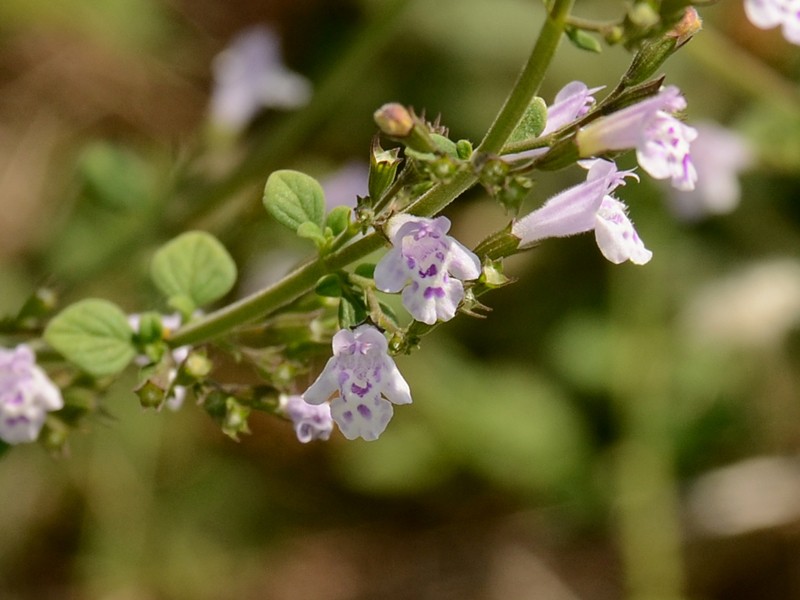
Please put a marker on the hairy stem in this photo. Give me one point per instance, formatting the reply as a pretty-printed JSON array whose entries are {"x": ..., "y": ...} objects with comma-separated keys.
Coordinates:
[{"x": 529, "y": 80}]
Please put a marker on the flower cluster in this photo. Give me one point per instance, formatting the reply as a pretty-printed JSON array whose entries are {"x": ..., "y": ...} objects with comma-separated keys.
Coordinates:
[
  {"x": 26, "y": 396},
  {"x": 661, "y": 141},
  {"x": 428, "y": 266},
  {"x": 585, "y": 207},
  {"x": 766, "y": 14},
  {"x": 362, "y": 382}
]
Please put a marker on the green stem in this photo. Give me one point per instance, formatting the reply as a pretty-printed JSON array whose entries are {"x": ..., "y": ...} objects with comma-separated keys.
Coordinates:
[
  {"x": 529, "y": 80},
  {"x": 275, "y": 296},
  {"x": 305, "y": 277}
]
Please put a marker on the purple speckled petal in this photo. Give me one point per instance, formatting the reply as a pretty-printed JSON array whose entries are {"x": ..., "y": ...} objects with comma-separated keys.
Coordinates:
[{"x": 362, "y": 420}]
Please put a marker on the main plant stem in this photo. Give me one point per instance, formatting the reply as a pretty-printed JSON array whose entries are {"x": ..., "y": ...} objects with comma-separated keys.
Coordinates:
[{"x": 305, "y": 277}]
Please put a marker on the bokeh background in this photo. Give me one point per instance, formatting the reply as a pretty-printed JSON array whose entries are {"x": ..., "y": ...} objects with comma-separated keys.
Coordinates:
[{"x": 607, "y": 432}]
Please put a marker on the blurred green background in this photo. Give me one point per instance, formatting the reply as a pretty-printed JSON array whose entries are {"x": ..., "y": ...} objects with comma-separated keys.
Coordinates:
[{"x": 608, "y": 432}]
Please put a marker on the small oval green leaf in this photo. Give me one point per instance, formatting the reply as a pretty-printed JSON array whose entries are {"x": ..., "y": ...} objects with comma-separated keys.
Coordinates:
[
  {"x": 94, "y": 334},
  {"x": 193, "y": 267},
  {"x": 338, "y": 219},
  {"x": 294, "y": 198},
  {"x": 583, "y": 40},
  {"x": 532, "y": 122}
]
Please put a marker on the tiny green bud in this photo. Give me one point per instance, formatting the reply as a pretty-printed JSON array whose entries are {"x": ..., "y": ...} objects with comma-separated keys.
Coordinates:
[
  {"x": 614, "y": 35},
  {"x": 394, "y": 120},
  {"x": 54, "y": 435},
  {"x": 150, "y": 395},
  {"x": 643, "y": 15},
  {"x": 464, "y": 149},
  {"x": 235, "y": 420},
  {"x": 197, "y": 365}
]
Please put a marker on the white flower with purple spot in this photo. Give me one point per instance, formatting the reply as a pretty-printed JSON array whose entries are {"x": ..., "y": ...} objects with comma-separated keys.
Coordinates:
[
  {"x": 428, "y": 266},
  {"x": 662, "y": 142},
  {"x": 310, "y": 421},
  {"x": 26, "y": 396},
  {"x": 361, "y": 381},
  {"x": 766, "y": 14},
  {"x": 585, "y": 207}
]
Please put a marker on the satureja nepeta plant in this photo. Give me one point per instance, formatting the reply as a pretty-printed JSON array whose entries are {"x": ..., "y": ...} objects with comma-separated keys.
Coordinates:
[{"x": 334, "y": 298}]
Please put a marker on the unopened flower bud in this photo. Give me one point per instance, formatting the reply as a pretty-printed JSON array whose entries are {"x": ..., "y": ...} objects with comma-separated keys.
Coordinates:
[
  {"x": 643, "y": 15},
  {"x": 235, "y": 420},
  {"x": 150, "y": 395},
  {"x": 394, "y": 120},
  {"x": 197, "y": 366},
  {"x": 684, "y": 29},
  {"x": 653, "y": 53}
]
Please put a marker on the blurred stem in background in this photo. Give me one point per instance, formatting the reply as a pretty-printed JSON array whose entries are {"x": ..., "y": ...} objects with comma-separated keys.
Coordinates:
[{"x": 645, "y": 493}]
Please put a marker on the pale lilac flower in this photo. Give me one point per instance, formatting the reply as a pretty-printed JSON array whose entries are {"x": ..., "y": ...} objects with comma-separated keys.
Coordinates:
[
  {"x": 26, "y": 396},
  {"x": 766, "y": 14},
  {"x": 311, "y": 421},
  {"x": 661, "y": 141},
  {"x": 249, "y": 75},
  {"x": 719, "y": 154},
  {"x": 428, "y": 266},
  {"x": 571, "y": 102},
  {"x": 585, "y": 207},
  {"x": 362, "y": 381},
  {"x": 176, "y": 394}
]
